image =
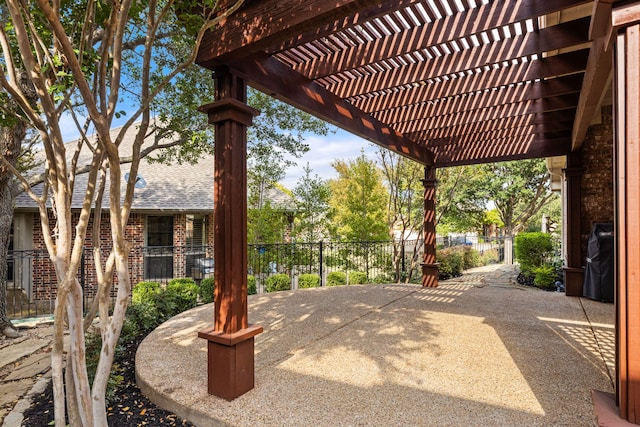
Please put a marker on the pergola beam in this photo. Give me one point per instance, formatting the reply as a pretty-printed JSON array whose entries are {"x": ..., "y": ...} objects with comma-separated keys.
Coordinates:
[
  {"x": 258, "y": 25},
  {"x": 598, "y": 73},
  {"x": 274, "y": 78}
]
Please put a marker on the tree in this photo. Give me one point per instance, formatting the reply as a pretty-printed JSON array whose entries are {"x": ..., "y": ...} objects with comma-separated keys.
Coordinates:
[
  {"x": 73, "y": 54},
  {"x": 358, "y": 199},
  {"x": 313, "y": 213},
  {"x": 518, "y": 190},
  {"x": 405, "y": 205},
  {"x": 461, "y": 199}
]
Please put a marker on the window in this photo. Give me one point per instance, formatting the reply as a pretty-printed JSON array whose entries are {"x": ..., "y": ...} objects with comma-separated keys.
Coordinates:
[
  {"x": 196, "y": 246},
  {"x": 158, "y": 262}
]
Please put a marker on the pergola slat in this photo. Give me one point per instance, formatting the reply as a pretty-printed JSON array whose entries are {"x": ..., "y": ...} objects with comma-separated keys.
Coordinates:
[
  {"x": 556, "y": 37},
  {"x": 542, "y": 105},
  {"x": 545, "y": 122},
  {"x": 478, "y": 100},
  {"x": 501, "y": 150}
]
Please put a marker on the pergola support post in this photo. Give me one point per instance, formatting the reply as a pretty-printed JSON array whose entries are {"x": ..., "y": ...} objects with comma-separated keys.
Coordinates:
[
  {"x": 231, "y": 339},
  {"x": 574, "y": 270},
  {"x": 626, "y": 19},
  {"x": 429, "y": 264}
]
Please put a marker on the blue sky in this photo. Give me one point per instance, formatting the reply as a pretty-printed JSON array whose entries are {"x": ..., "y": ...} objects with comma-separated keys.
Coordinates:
[{"x": 323, "y": 150}]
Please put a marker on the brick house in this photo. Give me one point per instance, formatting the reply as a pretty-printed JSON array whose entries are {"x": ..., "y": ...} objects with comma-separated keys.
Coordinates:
[{"x": 170, "y": 228}]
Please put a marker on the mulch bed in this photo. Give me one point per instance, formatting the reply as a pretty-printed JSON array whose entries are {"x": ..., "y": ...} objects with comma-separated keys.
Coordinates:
[{"x": 128, "y": 408}]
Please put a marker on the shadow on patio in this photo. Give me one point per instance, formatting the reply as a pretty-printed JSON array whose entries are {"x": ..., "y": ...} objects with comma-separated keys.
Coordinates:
[{"x": 475, "y": 351}]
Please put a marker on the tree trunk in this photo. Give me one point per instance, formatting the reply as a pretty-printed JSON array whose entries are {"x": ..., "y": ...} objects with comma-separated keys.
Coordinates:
[{"x": 10, "y": 143}]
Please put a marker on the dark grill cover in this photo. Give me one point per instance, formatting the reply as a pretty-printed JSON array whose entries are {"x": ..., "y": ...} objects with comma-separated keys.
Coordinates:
[{"x": 598, "y": 276}]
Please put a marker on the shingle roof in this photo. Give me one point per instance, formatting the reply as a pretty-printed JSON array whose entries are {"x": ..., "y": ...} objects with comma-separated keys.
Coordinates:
[{"x": 171, "y": 188}]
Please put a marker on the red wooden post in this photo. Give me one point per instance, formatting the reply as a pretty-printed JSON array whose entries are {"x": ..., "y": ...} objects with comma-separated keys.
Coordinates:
[
  {"x": 429, "y": 264},
  {"x": 231, "y": 339},
  {"x": 574, "y": 271},
  {"x": 627, "y": 146}
]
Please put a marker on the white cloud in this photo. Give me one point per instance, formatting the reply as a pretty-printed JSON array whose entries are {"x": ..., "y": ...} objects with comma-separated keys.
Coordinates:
[{"x": 323, "y": 151}]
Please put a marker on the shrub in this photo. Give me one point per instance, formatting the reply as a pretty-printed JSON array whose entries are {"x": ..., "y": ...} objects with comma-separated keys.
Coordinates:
[
  {"x": 308, "y": 281},
  {"x": 471, "y": 258},
  {"x": 145, "y": 292},
  {"x": 336, "y": 278},
  {"x": 183, "y": 293},
  {"x": 141, "y": 317},
  {"x": 251, "y": 285},
  {"x": 207, "y": 287},
  {"x": 545, "y": 277},
  {"x": 382, "y": 278},
  {"x": 357, "y": 278},
  {"x": 278, "y": 282},
  {"x": 532, "y": 250},
  {"x": 451, "y": 262},
  {"x": 490, "y": 256}
]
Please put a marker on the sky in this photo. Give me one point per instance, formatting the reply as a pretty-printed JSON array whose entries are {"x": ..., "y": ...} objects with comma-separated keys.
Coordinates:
[{"x": 323, "y": 150}]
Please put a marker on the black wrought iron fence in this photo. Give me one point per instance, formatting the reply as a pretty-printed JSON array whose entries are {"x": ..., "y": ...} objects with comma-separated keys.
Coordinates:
[{"x": 32, "y": 284}]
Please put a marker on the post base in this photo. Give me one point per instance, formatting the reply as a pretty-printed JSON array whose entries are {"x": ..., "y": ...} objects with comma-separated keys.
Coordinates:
[
  {"x": 430, "y": 275},
  {"x": 573, "y": 280},
  {"x": 230, "y": 361}
]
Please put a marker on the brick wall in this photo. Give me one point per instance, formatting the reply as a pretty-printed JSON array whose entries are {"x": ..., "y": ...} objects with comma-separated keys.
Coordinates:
[
  {"x": 597, "y": 180},
  {"x": 43, "y": 273}
]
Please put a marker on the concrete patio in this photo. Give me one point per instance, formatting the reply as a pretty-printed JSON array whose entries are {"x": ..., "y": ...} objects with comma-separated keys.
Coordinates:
[{"x": 477, "y": 350}]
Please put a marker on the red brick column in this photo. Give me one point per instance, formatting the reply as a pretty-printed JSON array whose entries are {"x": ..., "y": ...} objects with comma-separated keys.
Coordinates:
[
  {"x": 429, "y": 264},
  {"x": 231, "y": 339},
  {"x": 627, "y": 148}
]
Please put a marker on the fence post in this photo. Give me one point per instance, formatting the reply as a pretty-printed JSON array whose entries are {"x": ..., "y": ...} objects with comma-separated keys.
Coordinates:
[{"x": 321, "y": 260}]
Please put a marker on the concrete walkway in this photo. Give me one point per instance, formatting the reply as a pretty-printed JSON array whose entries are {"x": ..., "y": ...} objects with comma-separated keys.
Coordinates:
[{"x": 478, "y": 350}]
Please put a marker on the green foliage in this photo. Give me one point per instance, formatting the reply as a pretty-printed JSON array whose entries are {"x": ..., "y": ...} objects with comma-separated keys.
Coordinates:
[
  {"x": 313, "y": 212},
  {"x": 451, "y": 262},
  {"x": 251, "y": 285},
  {"x": 146, "y": 292},
  {"x": 183, "y": 293},
  {"x": 265, "y": 224},
  {"x": 471, "y": 258},
  {"x": 544, "y": 277},
  {"x": 359, "y": 200},
  {"x": 93, "y": 346},
  {"x": 532, "y": 250},
  {"x": 489, "y": 256},
  {"x": 357, "y": 278},
  {"x": 207, "y": 287},
  {"x": 382, "y": 278},
  {"x": 336, "y": 278},
  {"x": 308, "y": 281},
  {"x": 278, "y": 282},
  {"x": 141, "y": 317}
]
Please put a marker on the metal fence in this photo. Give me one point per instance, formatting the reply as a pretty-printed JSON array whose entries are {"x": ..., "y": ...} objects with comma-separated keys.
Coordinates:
[{"x": 32, "y": 284}]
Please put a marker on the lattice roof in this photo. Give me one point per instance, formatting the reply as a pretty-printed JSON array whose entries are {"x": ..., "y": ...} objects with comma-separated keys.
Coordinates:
[{"x": 447, "y": 82}]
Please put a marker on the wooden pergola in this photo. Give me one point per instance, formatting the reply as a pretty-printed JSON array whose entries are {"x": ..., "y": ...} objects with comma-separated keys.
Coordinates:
[{"x": 445, "y": 83}]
